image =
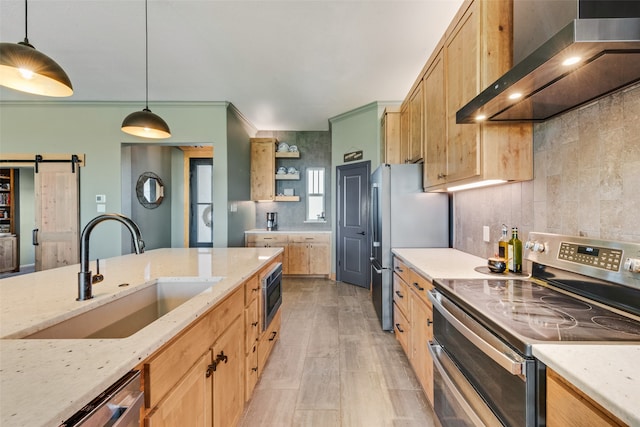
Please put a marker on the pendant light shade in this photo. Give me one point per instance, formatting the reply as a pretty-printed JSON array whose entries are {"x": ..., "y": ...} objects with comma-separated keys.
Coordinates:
[
  {"x": 24, "y": 68},
  {"x": 145, "y": 123}
]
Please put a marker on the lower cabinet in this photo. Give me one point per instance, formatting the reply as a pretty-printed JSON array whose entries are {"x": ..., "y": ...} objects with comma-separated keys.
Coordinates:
[
  {"x": 204, "y": 376},
  {"x": 8, "y": 254},
  {"x": 569, "y": 407},
  {"x": 413, "y": 320}
]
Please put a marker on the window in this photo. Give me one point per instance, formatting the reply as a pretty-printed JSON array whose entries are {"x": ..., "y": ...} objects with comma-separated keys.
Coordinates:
[{"x": 315, "y": 194}]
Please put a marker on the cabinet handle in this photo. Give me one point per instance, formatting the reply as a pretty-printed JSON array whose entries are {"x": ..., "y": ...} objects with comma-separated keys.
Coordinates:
[
  {"x": 398, "y": 269},
  {"x": 429, "y": 322},
  {"x": 255, "y": 289},
  {"x": 254, "y": 324},
  {"x": 418, "y": 287},
  {"x": 255, "y": 369},
  {"x": 442, "y": 176},
  {"x": 34, "y": 237},
  {"x": 399, "y": 328},
  {"x": 219, "y": 358},
  {"x": 399, "y": 294},
  {"x": 273, "y": 335}
]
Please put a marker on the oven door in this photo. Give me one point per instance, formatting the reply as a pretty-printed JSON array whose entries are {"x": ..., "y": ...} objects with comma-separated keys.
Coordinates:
[
  {"x": 510, "y": 384},
  {"x": 271, "y": 295}
]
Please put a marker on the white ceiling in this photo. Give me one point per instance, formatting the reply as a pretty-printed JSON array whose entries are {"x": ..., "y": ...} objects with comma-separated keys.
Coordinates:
[{"x": 286, "y": 65}]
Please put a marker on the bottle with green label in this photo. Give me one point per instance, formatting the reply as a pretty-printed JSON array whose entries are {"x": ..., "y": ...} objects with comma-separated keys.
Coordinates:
[
  {"x": 514, "y": 255},
  {"x": 503, "y": 243}
]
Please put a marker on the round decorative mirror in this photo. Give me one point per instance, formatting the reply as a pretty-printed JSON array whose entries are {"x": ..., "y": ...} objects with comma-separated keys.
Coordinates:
[{"x": 150, "y": 190}]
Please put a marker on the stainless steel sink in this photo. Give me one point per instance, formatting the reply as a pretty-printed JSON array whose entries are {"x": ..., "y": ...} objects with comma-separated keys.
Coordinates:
[{"x": 128, "y": 314}]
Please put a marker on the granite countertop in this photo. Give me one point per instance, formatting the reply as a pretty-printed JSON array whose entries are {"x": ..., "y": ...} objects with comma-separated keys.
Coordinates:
[
  {"x": 44, "y": 381},
  {"x": 607, "y": 373}
]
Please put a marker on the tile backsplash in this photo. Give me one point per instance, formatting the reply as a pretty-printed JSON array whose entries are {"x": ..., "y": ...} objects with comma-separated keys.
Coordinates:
[{"x": 586, "y": 180}]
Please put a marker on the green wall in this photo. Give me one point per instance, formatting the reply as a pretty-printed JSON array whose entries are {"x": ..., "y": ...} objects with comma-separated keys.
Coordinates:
[{"x": 94, "y": 129}]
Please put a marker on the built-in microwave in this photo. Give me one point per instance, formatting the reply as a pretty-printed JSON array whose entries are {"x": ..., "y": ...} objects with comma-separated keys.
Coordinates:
[{"x": 271, "y": 294}]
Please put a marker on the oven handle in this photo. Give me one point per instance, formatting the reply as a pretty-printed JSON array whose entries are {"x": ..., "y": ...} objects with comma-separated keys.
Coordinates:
[
  {"x": 510, "y": 364},
  {"x": 440, "y": 359}
]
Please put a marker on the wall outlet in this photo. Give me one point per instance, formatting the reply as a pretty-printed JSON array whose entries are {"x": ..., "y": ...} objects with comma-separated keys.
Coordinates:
[{"x": 486, "y": 235}]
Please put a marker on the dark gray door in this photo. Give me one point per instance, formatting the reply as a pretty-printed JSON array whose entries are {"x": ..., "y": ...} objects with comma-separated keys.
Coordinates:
[{"x": 352, "y": 248}]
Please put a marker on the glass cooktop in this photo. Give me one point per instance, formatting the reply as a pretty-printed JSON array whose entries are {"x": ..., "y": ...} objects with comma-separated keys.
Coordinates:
[{"x": 533, "y": 313}]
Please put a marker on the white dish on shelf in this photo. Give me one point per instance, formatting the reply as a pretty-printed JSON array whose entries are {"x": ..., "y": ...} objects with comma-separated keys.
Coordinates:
[
  {"x": 292, "y": 171},
  {"x": 293, "y": 148},
  {"x": 281, "y": 170},
  {"x": 283, "y": 147}
]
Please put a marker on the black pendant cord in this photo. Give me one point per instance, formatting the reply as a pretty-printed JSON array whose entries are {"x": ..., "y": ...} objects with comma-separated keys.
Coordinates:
[
  {"x": 26, "y": 20},
  {"x": 146, "y": 52}
]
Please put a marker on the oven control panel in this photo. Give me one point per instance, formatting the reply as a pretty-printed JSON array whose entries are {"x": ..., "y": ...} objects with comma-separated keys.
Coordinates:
[
  {"x": 614, "y": 261},
  {"x": 600, "y": 257}
]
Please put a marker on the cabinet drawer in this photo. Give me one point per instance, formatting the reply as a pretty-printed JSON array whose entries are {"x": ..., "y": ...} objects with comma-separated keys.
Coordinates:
[
  {"x": 420, "y": 286},
  {"x": 401, "y": 294},
  {"x": 401, "y": 329},
  {"x": 266, "y": 238},
  {"x": 402, "y": 270},
  {"x": 251, "y": 372},
  {"x": 169, "y": 364},
  {"x": 251, "y": 289},
  {"x": 252, "y": 325},
  {"x": 310, "y": 238},
  {"x": 267, "y": 341}
]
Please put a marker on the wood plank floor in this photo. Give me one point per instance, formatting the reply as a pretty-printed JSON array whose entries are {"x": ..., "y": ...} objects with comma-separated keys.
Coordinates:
[{"x": 334, "y": 366}]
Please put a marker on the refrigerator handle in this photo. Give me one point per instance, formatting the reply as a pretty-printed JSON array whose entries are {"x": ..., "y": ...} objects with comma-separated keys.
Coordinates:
[{"x": 374, "y": 216}]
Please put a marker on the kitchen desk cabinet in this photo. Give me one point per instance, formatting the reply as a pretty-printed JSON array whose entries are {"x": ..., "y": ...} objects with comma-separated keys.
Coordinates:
[
  {"x": 569, "y": 407},
  {"x": 271, "y": 240}
]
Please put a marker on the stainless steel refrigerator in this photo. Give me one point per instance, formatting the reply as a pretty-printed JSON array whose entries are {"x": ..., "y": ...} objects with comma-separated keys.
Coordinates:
[{"x": 403, "y": 216}]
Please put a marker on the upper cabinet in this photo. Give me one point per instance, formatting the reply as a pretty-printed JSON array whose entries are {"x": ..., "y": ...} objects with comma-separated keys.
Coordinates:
[
  {"x": 475, "y": 50},
  {"x": 264, "y": 152},
  {"x": 411, "y": 127},
  {"x": 390, "y": 136}
]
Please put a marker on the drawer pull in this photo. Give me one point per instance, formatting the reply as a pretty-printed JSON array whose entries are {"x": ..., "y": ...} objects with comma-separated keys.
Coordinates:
[
  {"x": 399, "y": 294},
  {"x": 429, "y": 322},
  {"x": 418, "y": 287},
  {"x": 398, "y": 269},
  {"x": 273, "y": 335},
  {"x": 254, "y": 324},
  {"x": 399, "y": 328},
  {"x": 219, "y": 358}
]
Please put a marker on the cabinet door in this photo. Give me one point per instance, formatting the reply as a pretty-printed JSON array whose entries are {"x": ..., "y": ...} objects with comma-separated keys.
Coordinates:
[
  {"x": 404, "y": 133},
  {"x": 416, "y": 103},
  {"x": 263, "y": 170},
  {"x": 228, "y": 378},
  {"x": 435, "y": 117},
  {"x": 462, "y": 57},
  {"x": 401, "y": 329},
  {"x": 298, "y": 258},
  {"x": 390, "y": 133},
  {"x": 421, "y": 334},
  {"x": 8, "y": 254},
  {"x": 189, "y": 402},
  {"x": 319, "y": 258}
]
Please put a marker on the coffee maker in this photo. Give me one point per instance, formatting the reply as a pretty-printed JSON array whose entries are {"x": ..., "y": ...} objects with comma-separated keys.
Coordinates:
[{"x": 272, "y": 221}]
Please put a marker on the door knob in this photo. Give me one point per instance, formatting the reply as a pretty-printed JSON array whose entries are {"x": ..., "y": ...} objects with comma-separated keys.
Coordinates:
[{"x": 361, "y": 233}]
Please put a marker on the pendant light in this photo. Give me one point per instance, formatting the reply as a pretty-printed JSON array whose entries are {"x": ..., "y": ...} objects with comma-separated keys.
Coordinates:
[
  {"x": 24, "y": 68},
  {"x": 145, "y": 123}
]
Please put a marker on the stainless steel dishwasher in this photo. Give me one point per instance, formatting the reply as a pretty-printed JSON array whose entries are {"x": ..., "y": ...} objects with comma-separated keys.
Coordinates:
[{"x": 119, "y": 406}]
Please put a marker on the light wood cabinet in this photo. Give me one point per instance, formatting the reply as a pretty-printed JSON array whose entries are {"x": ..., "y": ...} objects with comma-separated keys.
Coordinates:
[
  {"x": 8, "y": 254},
  {"x": 270, "y": 240},
  {"x": 189, "y": 402},
  {"x": 413, "y": 320},
  {"x": 416, "y": 110},
  {"x": 263, "y": 170},
  {"x": 304, "y": 253},
  {"x": 309, "y": 254},
  {"x": 435, "y": 116},
  {"x": 405, "y": 113},
  {"x": 203, "y": 376},
  {"x": 390, "y": 136},
  {"x": 569, "y": 407}
]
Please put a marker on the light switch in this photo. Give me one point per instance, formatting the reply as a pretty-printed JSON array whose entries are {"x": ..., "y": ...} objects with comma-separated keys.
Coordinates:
[
  {"x": 486, "y": 234},
  {"x": 101, "y": 198},
  {"x": 101, "y": 207}
]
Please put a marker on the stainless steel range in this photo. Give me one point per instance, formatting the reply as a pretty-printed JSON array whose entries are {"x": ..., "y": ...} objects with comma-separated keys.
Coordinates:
[{"x": 580, "y": 291}]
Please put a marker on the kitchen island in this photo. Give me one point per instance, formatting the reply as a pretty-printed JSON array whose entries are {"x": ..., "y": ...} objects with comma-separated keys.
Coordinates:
[
  {"x": 606, "y": 372},
  {"x": 44, "y": 381}
]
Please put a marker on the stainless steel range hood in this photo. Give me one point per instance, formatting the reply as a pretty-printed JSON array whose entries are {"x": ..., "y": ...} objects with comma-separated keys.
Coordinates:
[{"x": 605, "y": 36}]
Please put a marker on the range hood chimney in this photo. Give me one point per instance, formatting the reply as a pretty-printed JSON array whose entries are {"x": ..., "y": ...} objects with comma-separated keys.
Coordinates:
[{"x": 604, "y": 34}]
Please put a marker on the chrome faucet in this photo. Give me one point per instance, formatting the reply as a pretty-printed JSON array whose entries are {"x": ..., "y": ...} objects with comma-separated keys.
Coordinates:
[{"x": 85, "y": 278}]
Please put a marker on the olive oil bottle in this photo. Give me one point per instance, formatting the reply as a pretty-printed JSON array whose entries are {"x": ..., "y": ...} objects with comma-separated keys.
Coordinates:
[
  {"x": 514, "y": 256},
  {"x": 503, "y": 243}
]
